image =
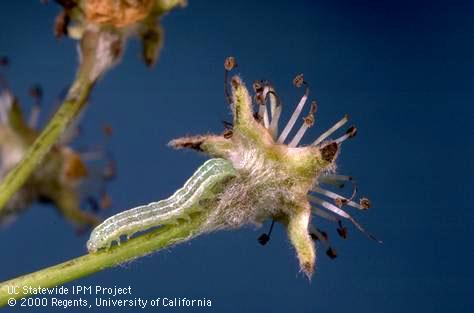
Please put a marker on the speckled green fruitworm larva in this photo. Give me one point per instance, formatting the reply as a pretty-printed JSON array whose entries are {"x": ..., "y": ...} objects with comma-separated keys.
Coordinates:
[
  {"x": 256, "y": 177},
  {"x": 190, "y": 198}
]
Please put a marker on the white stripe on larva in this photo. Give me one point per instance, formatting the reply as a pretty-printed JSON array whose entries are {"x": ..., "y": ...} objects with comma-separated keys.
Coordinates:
[{"x": 183, "y": 202}]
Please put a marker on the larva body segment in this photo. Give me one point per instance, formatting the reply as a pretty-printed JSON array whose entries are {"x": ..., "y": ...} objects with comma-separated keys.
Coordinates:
[{"x": 199, "y": 187}]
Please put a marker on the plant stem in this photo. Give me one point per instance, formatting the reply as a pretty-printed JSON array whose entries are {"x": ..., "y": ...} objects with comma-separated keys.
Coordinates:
[
  {"x": 92, "y": 263},
  {"x": 75, "y": 101}
]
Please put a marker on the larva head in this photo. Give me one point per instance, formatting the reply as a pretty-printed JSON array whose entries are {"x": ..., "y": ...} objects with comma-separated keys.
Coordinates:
[
  {"x": 279, "y": 173},
  {"x": 64, "y": 178}
]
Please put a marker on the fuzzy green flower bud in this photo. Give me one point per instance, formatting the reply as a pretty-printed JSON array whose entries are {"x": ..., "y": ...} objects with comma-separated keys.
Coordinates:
[{"x": 274, "y": 180}]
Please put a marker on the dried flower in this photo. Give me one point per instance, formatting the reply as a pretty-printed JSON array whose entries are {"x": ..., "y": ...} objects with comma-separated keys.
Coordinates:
[
  {"x": 64, "y": 178},
  {"x": 277, "y": 181},
  {"x": 123, "y": 18}
]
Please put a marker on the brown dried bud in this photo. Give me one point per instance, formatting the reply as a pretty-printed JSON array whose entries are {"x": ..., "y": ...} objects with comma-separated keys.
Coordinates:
[
  {"x": 230, "y": 63},
  {"x": 118, "y": 13}
]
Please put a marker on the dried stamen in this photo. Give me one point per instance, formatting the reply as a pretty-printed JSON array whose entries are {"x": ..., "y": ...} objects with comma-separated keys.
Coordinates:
[
  {"x": 338, "y": 198},
  {"x": 298, "y": 81},
  {"x": 331, "y": 252},
  {"x": 317, "y": 234},
  {"x": 341, "y": 230},
  {"x": 320, "y": 235},
  {"x": 265, "y": 237},
  {"x": 342, "y": 213},
  {"x": 324, "y": 214},
  {"x": 350, "y": 133},
  {"x": 308, "y": 121},
  {"x": 275, "y": 107},
  {"x": 340, "y": 202},
  {"x": 336, "y": 180},
  {"x": 344, "y": 201},
  {"x": 331, "y": 130},
  {"x": 229, "y": 64},
  {"x": 262, "y": 108},
  {"x": 364, "y": 203},
  {"x": 269, "y": 93}
]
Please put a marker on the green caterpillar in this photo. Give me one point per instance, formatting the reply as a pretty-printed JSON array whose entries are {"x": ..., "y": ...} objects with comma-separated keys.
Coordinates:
[{"x": 199, "y": 187}]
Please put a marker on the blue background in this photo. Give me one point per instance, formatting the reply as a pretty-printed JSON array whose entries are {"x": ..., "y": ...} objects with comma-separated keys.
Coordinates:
[{"x": 403, "y": 70}]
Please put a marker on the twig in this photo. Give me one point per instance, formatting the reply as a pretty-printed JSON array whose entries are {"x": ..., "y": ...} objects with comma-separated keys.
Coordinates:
[{"x": 92, "y": 263}]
